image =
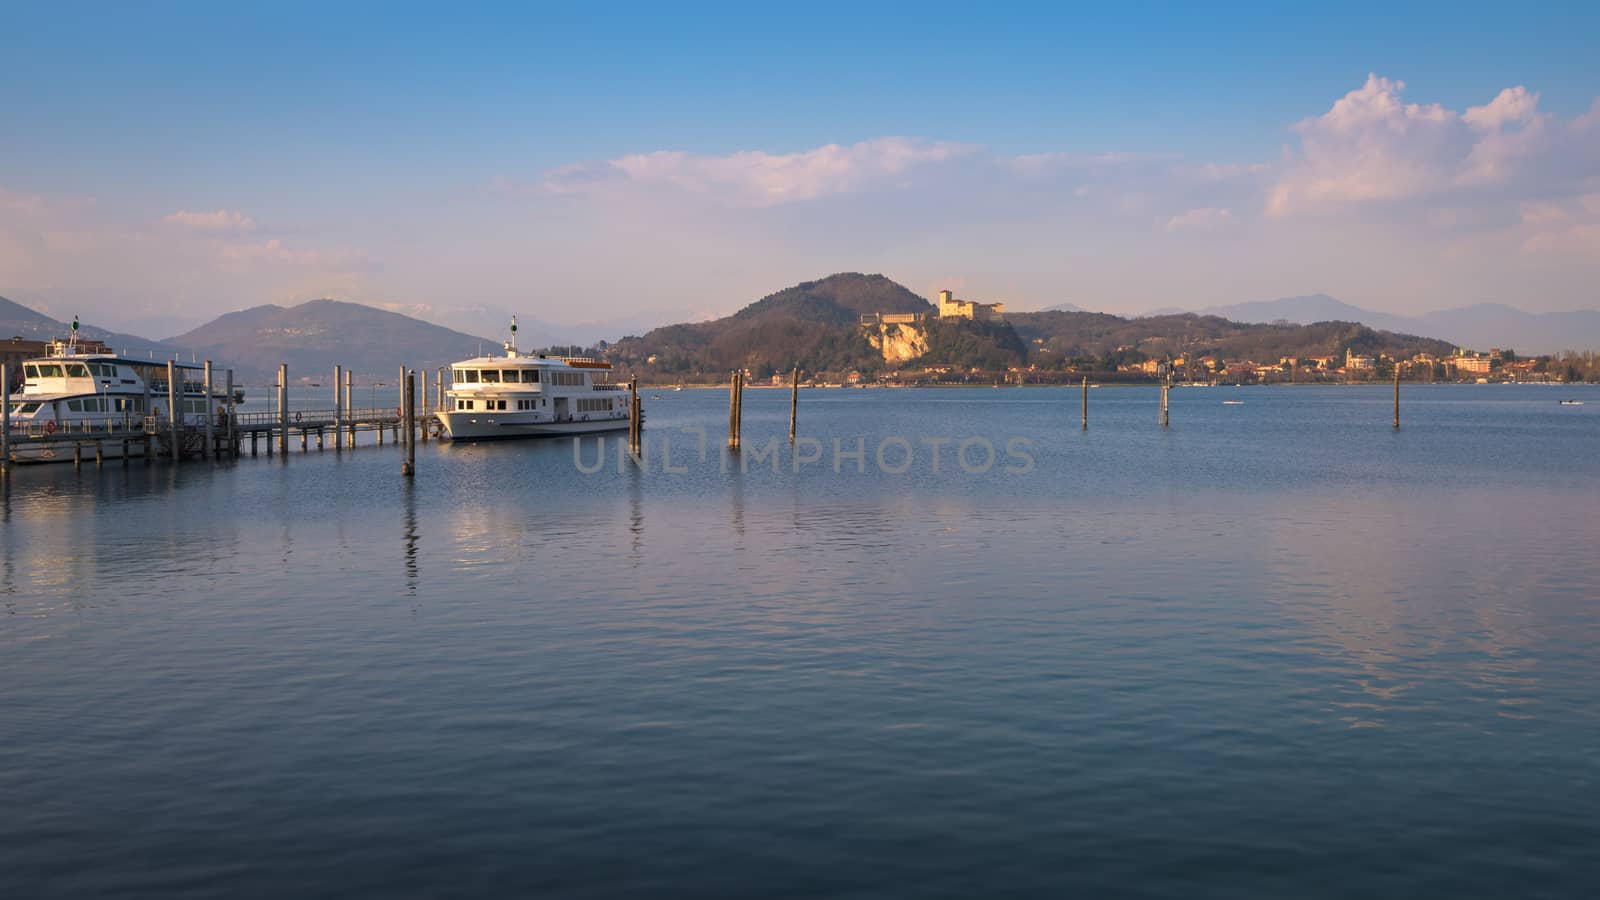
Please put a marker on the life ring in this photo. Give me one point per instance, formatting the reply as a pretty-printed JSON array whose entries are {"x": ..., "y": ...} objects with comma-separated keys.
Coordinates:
[
  {"x": 50, "y": 427},
  {"x": 397, "y": 412}
]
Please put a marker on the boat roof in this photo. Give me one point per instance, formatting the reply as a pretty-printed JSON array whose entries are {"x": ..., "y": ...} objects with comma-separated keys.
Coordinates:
[
  {"x": 500, "y": 362},
  {"x": 113, "y": 358}
]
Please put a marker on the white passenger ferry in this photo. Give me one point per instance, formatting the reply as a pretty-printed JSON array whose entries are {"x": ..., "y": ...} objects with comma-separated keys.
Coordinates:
[
  {"x": 530, "y": 395},
  {"x": 71, "y": 391}
]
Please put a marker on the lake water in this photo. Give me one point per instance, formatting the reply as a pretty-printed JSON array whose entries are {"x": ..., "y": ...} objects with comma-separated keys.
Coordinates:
[{"x": 1276, "y": 650}]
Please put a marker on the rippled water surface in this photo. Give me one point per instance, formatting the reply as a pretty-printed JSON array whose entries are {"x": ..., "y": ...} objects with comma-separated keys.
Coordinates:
[{"x": 1277, "y": 650}]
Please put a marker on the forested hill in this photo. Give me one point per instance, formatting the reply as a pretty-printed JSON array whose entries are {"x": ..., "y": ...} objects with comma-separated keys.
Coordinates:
[
  {"x": 815, "y": 325},
  {"x": 1058, "y": 339}
]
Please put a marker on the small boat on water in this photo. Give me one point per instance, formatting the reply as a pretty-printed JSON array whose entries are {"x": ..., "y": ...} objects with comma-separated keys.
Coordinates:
[
  {"x": 73, "y": 389},
  {"x": 1572, "y": 403},
  {"x": 521, "y": 395},
  {"x": 1233, "y": 403}
]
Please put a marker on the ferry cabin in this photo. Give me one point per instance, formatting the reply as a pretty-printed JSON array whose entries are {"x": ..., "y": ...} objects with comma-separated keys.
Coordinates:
[
  {"x": 68, "y": 391},
  {"x": 531, "y": 395}
]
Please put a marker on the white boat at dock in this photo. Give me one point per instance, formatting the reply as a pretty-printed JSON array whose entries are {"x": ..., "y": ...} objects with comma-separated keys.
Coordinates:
[
  {"x": 522, "y": 395},
  {"x": 73, "y": 394}
]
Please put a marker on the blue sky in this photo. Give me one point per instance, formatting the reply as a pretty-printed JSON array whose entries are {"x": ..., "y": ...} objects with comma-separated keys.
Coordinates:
[{"x": 338, "y": 149}]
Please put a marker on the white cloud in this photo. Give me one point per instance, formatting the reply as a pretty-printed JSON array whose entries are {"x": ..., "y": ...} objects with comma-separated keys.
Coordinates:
[
  {"x": 754, "y": 178},
  {"x": 216, "y": 220},
  {"x": 1373, "y": 147},
  {"x": 1206, "y": 218}
]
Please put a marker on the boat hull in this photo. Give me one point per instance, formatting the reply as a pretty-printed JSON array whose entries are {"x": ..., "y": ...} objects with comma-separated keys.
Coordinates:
[{"x": 480, "y": 427}]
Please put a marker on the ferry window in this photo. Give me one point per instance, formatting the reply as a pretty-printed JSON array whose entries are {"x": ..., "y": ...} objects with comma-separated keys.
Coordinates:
[
  {"x": 31, "y": 371},
  {"x": 530, "y": 376},
  {"x": 491, "y": 376},
  {"x": 77, "y": 370},
  {"x": 49, "y": 371},
  {"x": 458, "y": 375},
  {"x": 29, "y": 408},
  {"x": 75, "y": 405},
  {"x": 472, "y": 376}
]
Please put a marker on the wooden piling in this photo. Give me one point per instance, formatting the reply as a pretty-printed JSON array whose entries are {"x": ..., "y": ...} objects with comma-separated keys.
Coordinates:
[
  {"x": 5, "y": 420},
  {"x": 174, "y": 408},
  {"x": 735, "y": 399},
  {"x": 1085, "y": 402},
  {"x": 210, "y": 451},
  {"x": 1397, "y": 395},
  {"x": 1166, "y": 409},
  {"x": 232, "y": 429},
  {"x": 794, "y": 401},
  {"x": 99, "y": 454},
  {"x": 408, "y": 406},
  {"x": 423, "y": 399},
  {"x": 349, "y": 406},
  {"x": 283, "y": 408},
  {"x": 635, "y": 431},
  {"x": 338, "y": 405},
  {"x": 77, "y": 456}
]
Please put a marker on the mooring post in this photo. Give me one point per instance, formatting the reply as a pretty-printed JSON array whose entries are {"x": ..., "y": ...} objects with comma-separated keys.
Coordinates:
[
  {"x": 283, "y": 408},
  {"x": 77, "y": 455},
  {"x": 349, "y": 406},
  {"x": 794, "y": 400},
  {"x": 439, "y": 388},
  {"x": 211, "y": 447},
  {"x": 231, "y": 426},
  {"x": 1166, "y": 410},
  {"x": 5, "y": 420},
  {"x": 99, "y": 453},
  {"x": 408, "y": 404},
  {"x": 338, "y": 405},
  {"x": 735, "y": 411},
  {"x": 423, "y": 420},
  {"x": 634, "y": 432},
  {"x": 174, "y": 408},
  {"x": 1086, "y": 402},
  {"x": 1397, "y": 394}
]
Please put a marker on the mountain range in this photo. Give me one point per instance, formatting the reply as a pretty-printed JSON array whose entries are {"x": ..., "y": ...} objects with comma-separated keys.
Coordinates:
[
  {"x": 1480, "y": 327},
  {"x": 815, "y": 325}
]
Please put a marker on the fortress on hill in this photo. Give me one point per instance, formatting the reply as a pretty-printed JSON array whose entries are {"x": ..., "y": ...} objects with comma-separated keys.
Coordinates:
[{"x": 949, "y": 308}]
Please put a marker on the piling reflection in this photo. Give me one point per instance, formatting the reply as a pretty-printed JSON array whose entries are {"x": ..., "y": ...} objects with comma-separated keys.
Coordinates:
[{"x": 409, "y": 501}]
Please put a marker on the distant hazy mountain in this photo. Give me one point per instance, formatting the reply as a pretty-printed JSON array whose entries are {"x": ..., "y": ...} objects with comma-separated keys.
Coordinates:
[
  {"x": 314, "y": 337},
  {"x": 1064, "y": 307},
  {"x": 17, "y": 320},
  {"x": 1480, "y": 327}
]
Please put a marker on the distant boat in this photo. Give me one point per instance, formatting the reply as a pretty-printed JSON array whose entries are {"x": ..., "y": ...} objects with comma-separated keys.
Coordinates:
[
  {"x": 1572, "y": 403},
  {"x": 1233, "y": 403},
  {"x": 678, "y": 387}
]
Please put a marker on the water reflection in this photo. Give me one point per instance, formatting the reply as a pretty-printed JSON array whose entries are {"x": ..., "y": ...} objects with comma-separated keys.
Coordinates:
[{"x": 409, "y": 501}]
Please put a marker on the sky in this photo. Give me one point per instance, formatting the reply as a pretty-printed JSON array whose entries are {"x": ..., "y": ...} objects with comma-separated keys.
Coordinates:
[{"x": 614, "y": 168}]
